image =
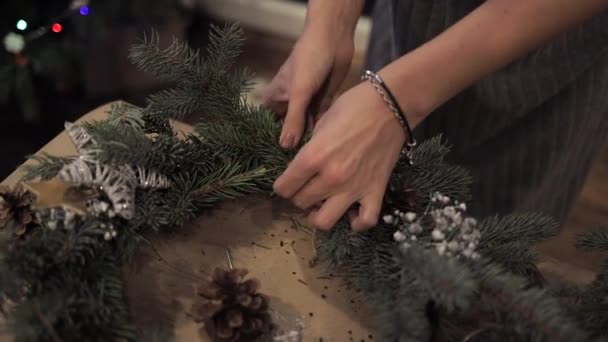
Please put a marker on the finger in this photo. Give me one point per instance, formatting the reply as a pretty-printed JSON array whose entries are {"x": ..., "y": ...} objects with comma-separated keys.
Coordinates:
[
  {"x": 337, "y": 78},
  {"x": 275, "y": 96},
  {"x": 295, "y": 120},
  {"x": 315, "y": 105},
  {"x": 330, "y": 212},
  {"x": 311, "y": 193},
  {"x": 299, "y": 171},
  {"x": 369, "y": 212},
  {"x": 279, "y": 108}
]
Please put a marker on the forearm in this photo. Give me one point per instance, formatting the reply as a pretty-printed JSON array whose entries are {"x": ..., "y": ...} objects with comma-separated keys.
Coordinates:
[
  {"x": 489, "y": 38},
  {"x": 334, "y": 16}
]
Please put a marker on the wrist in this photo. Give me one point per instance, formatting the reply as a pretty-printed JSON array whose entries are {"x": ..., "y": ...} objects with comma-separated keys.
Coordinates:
[
  {"x": 337, "y": 18},
  {"x": 410, "y": 90},
  {"x": 400, "y": 120}
]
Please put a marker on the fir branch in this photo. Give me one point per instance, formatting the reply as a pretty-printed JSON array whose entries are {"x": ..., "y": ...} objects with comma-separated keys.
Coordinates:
[
  {"x": 225, "y": 96},
  {"x": 517, "y": 258},
  {"x": 528, "y": 228},
  {"x": 340, "y": 244},
  {"x": 431, "y": 153},
  {"x": 229, "y": 182},
  {"x": 148, "y": 215},
  {"x": 451, "y": 284},
  {"x": 176, "y": 103},
  {"x": 120, "y": 145},
  {"x": 252, "y": 140},
  {"x": 401, "y": 314},
  {"x": 225, "y": 45},
  {"x": 178, "y": 206},
  {"x": 530, "y": 308},
  {"x": 177, "y": 63},
  {"x": 77, "y": 247},
  {"x": 593, "y": 241},
  {"x": 454, "y": 181},
  {"x": 45, "y": 166},
  {"x": 123, "y": 113}
]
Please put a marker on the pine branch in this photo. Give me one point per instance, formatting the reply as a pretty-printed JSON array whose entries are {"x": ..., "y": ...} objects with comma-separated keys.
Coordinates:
[
  {"x": 531, "y": 309},
  {"x": 528, "y": 228},
  {"x": 225, "y": 45},
  {"x": 454, "y": 182},
  {"x": 517, "y": 258},
  {"x": 401, "y": 314},
  {"x": 80, "y": 246},
  {"x": 123, "y": 113},
  {"x": 430, "y": 153},
  {"x": 593, "y": 241},
  {"x": 176, "y": 103},
  {"x": 149, "y": 216},
  {"x": 178, "y": 63},
  {"x": 451, "y": 284},
  {"x": 339, "y": 245},
  {"x": 45, "y": 166},
  {"x": 229, "y": 182},
  {"x": 225, "y": 96},
  {"x": 252, "y": 140}
]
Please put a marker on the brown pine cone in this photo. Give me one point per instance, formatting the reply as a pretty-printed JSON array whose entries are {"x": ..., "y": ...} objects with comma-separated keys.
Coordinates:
[
  {"x": 231, "y": 307},
  {"x": 15, "y": 205}
]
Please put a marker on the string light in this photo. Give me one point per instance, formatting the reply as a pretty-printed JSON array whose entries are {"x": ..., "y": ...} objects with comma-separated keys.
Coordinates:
[
  {"x": 56, "y": 27},
  {"x": 84, "y": 10},
  {"x": 22, "y": 25}
]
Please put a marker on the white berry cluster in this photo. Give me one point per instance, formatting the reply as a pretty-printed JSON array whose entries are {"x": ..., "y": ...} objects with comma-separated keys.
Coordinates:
[
  {"x": 101, "y": 208},
  {"x": 442, "y": 226},
  {"x": 55, "y": 218}
]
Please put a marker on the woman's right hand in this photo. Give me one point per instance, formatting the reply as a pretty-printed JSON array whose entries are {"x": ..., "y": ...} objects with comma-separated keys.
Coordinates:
[{"x": 309, "y": 79}]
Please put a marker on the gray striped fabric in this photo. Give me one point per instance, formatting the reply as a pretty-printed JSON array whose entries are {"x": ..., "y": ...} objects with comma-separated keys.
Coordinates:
[{"x": 529, "y": 132}]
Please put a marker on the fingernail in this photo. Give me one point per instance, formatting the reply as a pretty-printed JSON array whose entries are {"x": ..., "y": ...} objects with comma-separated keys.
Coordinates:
[{"x": 287, "y": 141}]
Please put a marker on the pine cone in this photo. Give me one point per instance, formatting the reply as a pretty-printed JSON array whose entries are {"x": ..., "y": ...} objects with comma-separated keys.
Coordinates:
[
  {"x": 15, "y": 205},
  {"x": 231, "y": 308}
]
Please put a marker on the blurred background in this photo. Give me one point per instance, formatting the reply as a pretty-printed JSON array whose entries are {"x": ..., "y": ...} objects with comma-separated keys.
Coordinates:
[{"x": 63, "y": 58}]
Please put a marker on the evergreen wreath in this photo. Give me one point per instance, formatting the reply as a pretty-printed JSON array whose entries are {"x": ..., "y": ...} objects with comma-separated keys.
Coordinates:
[{"x": 427, "y": 271}]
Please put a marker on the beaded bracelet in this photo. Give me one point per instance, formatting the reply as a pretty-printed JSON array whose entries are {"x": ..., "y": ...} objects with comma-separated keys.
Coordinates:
[{"x": 390, "y": 100}]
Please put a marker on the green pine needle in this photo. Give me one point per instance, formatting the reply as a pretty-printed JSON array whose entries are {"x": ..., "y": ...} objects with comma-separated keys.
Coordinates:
[{"x": 593, "y": 241}]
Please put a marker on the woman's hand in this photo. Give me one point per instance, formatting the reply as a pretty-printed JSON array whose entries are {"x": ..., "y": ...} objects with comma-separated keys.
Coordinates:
[
  {"x": 349, "y": 159},
  {"x": 315, "y": 69}
]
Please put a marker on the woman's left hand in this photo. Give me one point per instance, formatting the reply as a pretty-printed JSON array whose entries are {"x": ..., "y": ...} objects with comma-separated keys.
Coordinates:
[{"x": 349, "y": 159}]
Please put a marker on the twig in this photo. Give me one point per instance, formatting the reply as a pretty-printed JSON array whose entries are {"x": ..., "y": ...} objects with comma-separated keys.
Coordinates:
[
  {"x": 229, "y": 259},
  {"x": 262, "y": 246},
  {"x": 47, "y": 325},
  {"x": 315, "y": 258},
  {"x": 302, "y": 281},
  {"x": 297, "y": 226},
  {"x": 293, "y": 246}
]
